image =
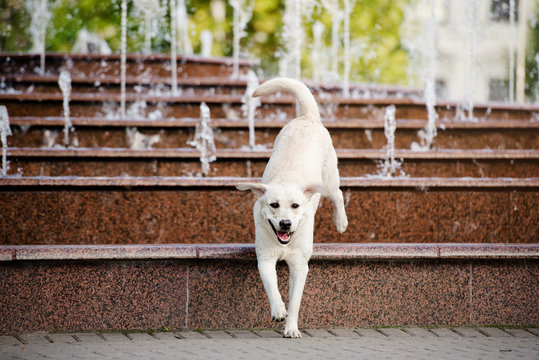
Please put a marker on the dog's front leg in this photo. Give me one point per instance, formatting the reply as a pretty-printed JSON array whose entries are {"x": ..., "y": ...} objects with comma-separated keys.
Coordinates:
[
  {"x": 298, "y": 275},
  {"x": 268, "y": 274}
]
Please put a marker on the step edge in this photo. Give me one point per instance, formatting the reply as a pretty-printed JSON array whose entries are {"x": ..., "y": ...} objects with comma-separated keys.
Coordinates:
[
  {"x": 321, "y": 252},
  {"x": 226, "y": 182}
]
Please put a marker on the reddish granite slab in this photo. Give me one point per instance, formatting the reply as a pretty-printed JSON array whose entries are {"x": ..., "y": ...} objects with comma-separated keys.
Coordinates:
[
  {"x": 374, "y": 251},
  {"x": 403, "y": 293},
  {"x": 78, "y": 296},
  {"x": 6, "y": 253},
  {"x": 104, "y": 252},
  {"x": 356, "y": 133},
  {"x": 209, "y": 210},
  {"x": 488, "y": 251},
  {"x": 521, "y": 203},
  {"x": 322, "y": 252},
  {"x": 336, "y": 294},
  {"x": 94, "y": 65},
  {"x": 461, "y": 216},
  {"x": 225, "y": 294},
  {"x": 115, "y": 162},
  {"x": 218, "y": 286},
  {"x": 505, "y": 293},
  {"x": 226, "y": 251}
]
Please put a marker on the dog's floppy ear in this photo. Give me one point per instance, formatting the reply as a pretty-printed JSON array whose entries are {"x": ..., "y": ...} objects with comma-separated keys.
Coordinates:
[
  {"x": 316, "y": 188},
  {"x": 258, "y": 189}
]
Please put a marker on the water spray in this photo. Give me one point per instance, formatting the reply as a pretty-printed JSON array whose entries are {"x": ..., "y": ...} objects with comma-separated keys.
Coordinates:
[
  {"x": 64, "y": 82},
  {"x": 5, "y": 131}
]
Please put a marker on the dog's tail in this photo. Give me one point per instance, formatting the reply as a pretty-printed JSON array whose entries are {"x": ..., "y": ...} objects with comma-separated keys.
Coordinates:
[{"x": 308, "y": 106}]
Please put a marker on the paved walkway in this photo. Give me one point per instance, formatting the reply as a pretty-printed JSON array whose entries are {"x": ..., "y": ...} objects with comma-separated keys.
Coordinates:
[{"x": 387, "y": 343}]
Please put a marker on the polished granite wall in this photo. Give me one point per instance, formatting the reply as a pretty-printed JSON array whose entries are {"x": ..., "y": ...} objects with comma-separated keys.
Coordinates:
[
  {"x": 210, "y": 287},
  {"x": 124, "y": 215}
]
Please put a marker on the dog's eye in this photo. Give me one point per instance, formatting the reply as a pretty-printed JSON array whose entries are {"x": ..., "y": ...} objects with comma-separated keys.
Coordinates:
[
  {"x": 294, "y": 206},
  {"x": 274, "y": 205}
]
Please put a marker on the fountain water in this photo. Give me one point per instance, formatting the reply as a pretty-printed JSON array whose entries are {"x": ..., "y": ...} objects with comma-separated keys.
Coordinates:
[
  {"x": 40, "y": 16},
  {"x": 332, "y": 6},
  {"x": 182, "y": 22},
  {"x": 472, "y": 25},
  {"x": 317, "y": 53},
  {"x": 293, "y": 36},
  {"x": 243, "y": 10},
  {"x": 513, "y": 30},
  {"x": 206, "y": 40},
  {"x": 173, "y": 66},
  {"x": 5, "y": 131},
  {"x": 348, "y": 6},
  {"x": 123, "y": 50},
  {"x": 204, "y": 140},
  {"x": 64, "y": 82},
  {"x": 250, "y": 104},
  {"x": 390, "y": 165},
  {"x": 428, "y": 73},
  {"x": 149, "y": 10},
  {"x": 139, "y": 141}
]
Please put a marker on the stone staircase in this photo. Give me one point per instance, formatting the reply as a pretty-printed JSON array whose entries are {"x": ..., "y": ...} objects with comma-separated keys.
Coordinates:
[{"x": 455, "y": 239}]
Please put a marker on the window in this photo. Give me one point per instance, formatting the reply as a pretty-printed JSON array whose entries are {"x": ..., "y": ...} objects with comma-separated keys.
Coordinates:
[
  {"x": 498, "y": 90},
  {"x": 500, "y": 9}
]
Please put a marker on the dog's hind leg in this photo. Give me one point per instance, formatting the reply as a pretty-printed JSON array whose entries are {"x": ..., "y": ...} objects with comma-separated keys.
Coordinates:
[
  {"x": 268, "y": 274},
  {"x": 298, "y": 275}
]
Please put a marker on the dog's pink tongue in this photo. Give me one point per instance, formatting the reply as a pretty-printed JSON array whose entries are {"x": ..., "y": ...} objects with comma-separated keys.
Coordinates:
[{"x": 283, "y": 235}]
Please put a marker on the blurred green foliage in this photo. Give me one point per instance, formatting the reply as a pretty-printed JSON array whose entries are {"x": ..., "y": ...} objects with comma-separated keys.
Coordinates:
[{"x": 532, "y": 61}]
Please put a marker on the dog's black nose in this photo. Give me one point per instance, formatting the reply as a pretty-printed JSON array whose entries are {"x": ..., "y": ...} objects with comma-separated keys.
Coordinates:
[{"x": 285, "y": 224}]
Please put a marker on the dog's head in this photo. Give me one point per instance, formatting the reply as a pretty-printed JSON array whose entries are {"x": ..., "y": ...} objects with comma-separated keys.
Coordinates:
[{"x": 283, "y": 206}]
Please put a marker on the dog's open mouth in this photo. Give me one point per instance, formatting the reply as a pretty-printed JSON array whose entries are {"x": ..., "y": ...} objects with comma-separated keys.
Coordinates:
[{"x": 283, "y": 237}]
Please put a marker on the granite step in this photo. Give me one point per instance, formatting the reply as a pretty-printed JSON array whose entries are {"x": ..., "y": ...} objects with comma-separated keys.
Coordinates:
[
  {"x": 134, "y": 210},
  {"x": 96, "y": 65},
  {"x": 248, "y": 163},
  {"x": 360, "y": 133},
  {"x": 26, "y": 82},
  {"x": 273, "y": 107},
  {"x": 213, "y": 287}
]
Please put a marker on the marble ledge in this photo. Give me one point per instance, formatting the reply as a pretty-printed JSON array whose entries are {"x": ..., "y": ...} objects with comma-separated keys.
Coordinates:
[{"x": 321, "y": 252}]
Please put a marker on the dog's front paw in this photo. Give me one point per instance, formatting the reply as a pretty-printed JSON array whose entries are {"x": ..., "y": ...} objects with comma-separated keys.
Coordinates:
[
  {"x": 279, "y": 312},
  {"x": 291, "y": 331},
  {"x": 341, "y": 222}
]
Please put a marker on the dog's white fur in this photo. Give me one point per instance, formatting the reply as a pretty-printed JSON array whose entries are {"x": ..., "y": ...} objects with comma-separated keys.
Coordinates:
[{"x": 302, "y": 167}]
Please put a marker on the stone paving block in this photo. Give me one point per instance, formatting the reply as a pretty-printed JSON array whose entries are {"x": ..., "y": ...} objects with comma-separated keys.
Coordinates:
[
  {"x": 116, "y": 337},
  {"x": 88, "y": 337},
  {"x": 35, "y": 339},
  {"x": 191, "y": 335},
  {"x": 142, "y": 336},
  {"x": 445, "y": 333},
  {"x": 370, "y": 333},
  {"x": 218, "y": 334},
  {"x": 534, "y": 331},
  {"x": 62, "y": 338},
  {"x": 9, "y": 340},
  {"x": 269, "y": 334},
  {"x": 345, "y": 333},
  {"x": 520, "y": 333},
  {"x": 420, "y": 332},
  {"x": 243, "y": 334},
  {"x": 167, "y": 336},
  {"x": 394, "y": 332},
  {"x": 318, "y": 333},
  {"x": 493, "y": 332},
  {"x": 468, "y": 332}
]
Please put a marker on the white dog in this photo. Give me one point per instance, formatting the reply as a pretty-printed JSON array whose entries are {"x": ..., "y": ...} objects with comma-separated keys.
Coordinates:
[{"x": 302, "y": 167}]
